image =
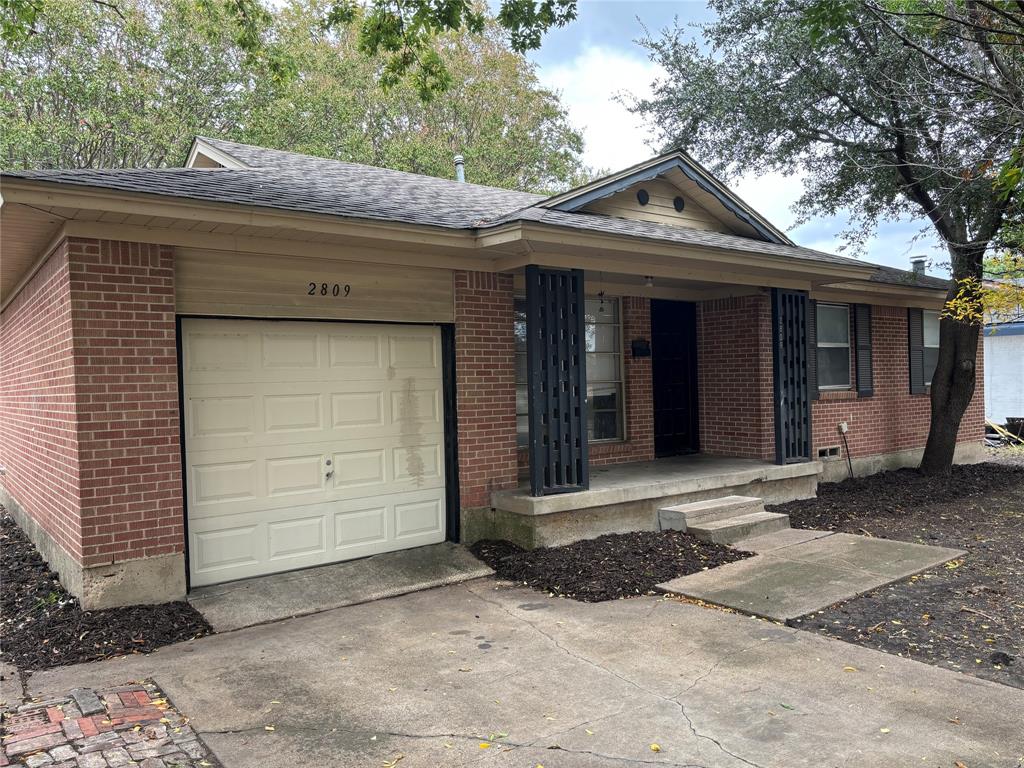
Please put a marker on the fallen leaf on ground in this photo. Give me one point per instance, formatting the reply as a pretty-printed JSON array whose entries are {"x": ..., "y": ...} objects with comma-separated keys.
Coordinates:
[{"x": 655, "y": 748}]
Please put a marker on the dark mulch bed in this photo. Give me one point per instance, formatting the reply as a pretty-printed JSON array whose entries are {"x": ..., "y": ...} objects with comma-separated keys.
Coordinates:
[
  {"x": 610, "y": 567},
  {"x": 42, "y": 626},
  {"x": 967, "y": 615}
]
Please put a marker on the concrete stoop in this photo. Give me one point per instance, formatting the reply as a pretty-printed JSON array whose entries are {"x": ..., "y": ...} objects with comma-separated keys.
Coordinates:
[{"x": 725, "y": 520}]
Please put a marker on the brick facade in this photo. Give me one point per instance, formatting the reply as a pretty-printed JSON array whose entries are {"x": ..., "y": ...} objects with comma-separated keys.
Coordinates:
[
  {"x": 891, "y": 419},
  {"x": 90, "y": 402},
  {"x": 485, "y": 383},
  {"x": 38, "y": 416},
  {"x": 126, "y": 380},
  {"x": 734, "y": 374}
]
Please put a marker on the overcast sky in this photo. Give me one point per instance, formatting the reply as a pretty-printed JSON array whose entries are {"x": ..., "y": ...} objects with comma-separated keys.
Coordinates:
[{"x": 596, "y": 57}]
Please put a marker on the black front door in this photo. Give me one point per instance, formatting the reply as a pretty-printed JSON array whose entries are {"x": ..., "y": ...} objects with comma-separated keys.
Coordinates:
[{"x": 674, "y": 373}]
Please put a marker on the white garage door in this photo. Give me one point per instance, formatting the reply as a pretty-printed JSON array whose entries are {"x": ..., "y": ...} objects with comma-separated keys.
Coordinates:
[{"x": 309, "y": 443}]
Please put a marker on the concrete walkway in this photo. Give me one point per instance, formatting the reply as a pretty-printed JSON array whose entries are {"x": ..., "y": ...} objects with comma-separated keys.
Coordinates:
[
  {"x": 298, "y": 593},
  {"x": 487, "y": 674},
  {"x": 796, "y": 572}
]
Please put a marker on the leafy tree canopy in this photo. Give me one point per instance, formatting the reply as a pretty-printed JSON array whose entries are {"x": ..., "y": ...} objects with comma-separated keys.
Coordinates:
[
  {"x": 92, "y": 89},
  {"x": 887, "y": 108}
]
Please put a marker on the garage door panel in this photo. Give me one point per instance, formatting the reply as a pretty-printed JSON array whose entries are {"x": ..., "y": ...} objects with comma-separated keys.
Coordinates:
[
  {"x": 293, "y": 412},
  {"x": 222, "y": 416},
  {"x": 241, "y": 546},
  {"x": 290, "y": 539},
  {"x": 309, "y": 443}
]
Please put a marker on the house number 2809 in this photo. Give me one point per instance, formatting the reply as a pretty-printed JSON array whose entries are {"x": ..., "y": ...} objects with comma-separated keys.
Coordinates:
[{"x": 329, "y": 289}]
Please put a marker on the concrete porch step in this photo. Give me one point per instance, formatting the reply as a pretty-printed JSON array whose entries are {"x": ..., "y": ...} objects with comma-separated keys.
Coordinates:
[
  {"x": 683, "y": 516},
  {"x": 732, "y": 529}
]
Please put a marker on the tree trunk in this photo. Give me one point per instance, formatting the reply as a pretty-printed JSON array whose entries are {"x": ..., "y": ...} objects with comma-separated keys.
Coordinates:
[{"x": 953, "y": 382}]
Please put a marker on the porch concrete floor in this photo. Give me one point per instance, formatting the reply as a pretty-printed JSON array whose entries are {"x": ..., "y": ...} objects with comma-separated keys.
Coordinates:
[
  {"x": 799, "y": 572},
  {"x": 653, "y": 479},
  {"x": 279, "y": 596}
]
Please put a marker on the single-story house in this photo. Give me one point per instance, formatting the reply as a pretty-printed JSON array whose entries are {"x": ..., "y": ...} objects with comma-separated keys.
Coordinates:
[{"x": 265, "y": 361}]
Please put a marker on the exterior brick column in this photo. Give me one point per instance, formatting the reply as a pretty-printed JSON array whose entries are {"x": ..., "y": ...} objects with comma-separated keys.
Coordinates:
[
  {"x": 126, "y": 376},
  {"x": 485, "y": 382},
  {"x": 734, "y": 368}
]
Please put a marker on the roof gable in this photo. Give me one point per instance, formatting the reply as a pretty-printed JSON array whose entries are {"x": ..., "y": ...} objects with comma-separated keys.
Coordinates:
[{"x": 690, "y": 178}]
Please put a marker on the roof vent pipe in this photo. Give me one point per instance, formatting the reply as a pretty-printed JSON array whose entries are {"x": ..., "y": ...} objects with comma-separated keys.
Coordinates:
[
  {"x": 918, "y": 264},
  {"x": 460, "y": 168}
]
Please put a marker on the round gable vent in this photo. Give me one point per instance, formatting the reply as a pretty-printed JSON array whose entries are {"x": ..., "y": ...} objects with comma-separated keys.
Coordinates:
[
  {"x": 643, "y": 197},
  {"x": 679, "y": 204}
]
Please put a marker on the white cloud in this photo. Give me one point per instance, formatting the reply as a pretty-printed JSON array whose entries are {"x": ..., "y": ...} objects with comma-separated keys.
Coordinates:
[{"x": 613, "y": 137}]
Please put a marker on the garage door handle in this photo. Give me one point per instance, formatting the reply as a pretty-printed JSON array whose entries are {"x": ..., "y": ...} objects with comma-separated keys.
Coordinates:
[{"x": 328, "y": 475}]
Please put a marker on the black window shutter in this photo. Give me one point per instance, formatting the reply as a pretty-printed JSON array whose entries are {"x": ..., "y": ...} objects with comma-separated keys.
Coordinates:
[
  {"x": 862, "y": 339},
  {"x": 812, "y": 349},
  {"x": 915, "y": 340}
]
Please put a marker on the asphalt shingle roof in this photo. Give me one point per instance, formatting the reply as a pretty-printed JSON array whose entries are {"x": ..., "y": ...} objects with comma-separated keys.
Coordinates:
[{"x": 302, "y": 183}]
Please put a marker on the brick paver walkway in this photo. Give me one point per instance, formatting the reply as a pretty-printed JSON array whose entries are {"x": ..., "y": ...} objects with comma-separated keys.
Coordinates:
[{"x": 131, "y": 725}]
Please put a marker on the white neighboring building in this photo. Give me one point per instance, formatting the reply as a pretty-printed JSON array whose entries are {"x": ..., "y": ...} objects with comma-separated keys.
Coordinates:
[{"x": 1004, "y": 371}]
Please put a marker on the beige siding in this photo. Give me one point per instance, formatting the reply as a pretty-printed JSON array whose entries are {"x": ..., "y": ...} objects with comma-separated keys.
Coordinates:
[
  {"x": 229, "y": 283},
  {"x": 660, "y": 209}
]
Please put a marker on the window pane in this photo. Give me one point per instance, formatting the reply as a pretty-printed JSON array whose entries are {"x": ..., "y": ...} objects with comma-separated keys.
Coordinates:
[
  {"x": 602, "y": 367},
  {"x": 598, "y": 311},
  {"x": 522, "y": 431},
  {"x": 833, "y": 324},
  {"x": 602, "y": 338},
  {"x": 833, "y": 366},
  {"x": 522, "y": 401},
  {"x": 604, "y": 397},
  {"x": 520, "y": 368},
  {"x": 519, "y": 324},
  {"x": 931, "y": 330},
  {"x": 931, "y": 357}
]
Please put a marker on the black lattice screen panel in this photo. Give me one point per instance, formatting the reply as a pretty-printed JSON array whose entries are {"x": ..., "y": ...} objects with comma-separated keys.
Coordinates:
[
  {"x": 789, "y": 365},
  {"x": 557, "y": 376}
]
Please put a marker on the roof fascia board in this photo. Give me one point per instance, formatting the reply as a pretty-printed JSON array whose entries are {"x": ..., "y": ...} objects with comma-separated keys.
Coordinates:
[
  {"x": 570, "y": 201},
  {"x": 91, "y": 198},
  {"x": 886, "y": 288},
  {"x": 201, "y": 147},
  {"x": 543, "y": 236},
  {"x": 656, "y": 268},
  {"x": 356, "y": 252},
  {"x": 867, "y": 295}
]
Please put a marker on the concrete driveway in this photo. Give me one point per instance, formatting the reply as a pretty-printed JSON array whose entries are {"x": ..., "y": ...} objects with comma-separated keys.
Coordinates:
[{"x": 481, "y": 673}]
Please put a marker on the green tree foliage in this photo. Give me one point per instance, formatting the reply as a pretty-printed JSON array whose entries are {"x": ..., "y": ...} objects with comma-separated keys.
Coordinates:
[
  {"x": 89, "y": 88},
  {"x": 883, "y": 111}
]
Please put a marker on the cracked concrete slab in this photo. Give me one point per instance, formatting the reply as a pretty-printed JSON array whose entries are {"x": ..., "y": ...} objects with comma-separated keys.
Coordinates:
[
  {"x": 789, "y": 578},
  {"x": 433, "y": 676}
]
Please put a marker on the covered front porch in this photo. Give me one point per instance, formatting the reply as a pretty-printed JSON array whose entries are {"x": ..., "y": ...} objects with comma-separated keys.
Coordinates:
[{"x": 627, "y": 497}]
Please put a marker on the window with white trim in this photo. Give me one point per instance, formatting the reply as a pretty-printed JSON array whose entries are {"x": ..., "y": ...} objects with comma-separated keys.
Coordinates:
[
  {"x": 605, "y": 391},
  {"x": 930, "y": 326},
  {"x": 833, "y": 326}
]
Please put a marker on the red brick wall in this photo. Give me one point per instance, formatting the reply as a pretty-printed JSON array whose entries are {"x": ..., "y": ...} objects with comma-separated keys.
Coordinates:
[
  {"x": 127, "y": 383},
  {"x": 38, "y": 423},
  {"x": 891, "y": 419},
  {"x": 734, "y": 371},
  {"x": 485, "y": 381}
]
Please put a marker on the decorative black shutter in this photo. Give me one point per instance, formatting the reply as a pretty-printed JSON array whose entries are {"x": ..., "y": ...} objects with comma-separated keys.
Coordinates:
[
  {"x": 915, "y": 340},
  {"x": 862, "y": 339},
  {"x": 812, "y": 349}
]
